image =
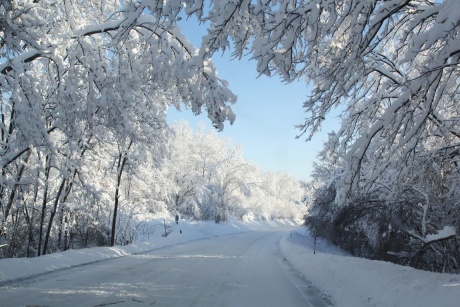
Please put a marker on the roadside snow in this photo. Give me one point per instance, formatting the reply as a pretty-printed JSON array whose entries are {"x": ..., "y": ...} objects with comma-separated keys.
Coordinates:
[
  {"x": 15, "y": 268},
  {"x": 352, "y": 281}
]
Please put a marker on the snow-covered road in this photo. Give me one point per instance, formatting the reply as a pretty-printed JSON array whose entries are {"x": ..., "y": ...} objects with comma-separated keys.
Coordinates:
[{"x": 244, "y": 269}]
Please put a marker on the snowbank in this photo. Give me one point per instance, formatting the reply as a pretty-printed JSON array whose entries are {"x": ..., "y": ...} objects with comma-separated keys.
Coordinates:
[
  {"x": 351, "y": 281},
  {"x": 15, "y": 268}
]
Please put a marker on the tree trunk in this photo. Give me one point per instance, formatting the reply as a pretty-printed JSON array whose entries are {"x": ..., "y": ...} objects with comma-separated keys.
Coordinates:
[
  {"x": 31, "y": 226},
  {"x": 45, "y": 198},
  {"x": 61, "y": 227},
  {"x": 5, "y": 140},
  {"x": 14, "y": 189},
  {"x": 53, "y": 213},
  {"x": 122, "y": 158}
]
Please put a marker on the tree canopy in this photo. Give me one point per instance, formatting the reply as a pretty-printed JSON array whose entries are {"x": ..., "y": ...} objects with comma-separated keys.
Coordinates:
[{"x": 391, "y": 66}]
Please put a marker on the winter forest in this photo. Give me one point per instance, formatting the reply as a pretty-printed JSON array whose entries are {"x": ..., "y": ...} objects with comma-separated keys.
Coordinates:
[{"x": 85, "y": 146}]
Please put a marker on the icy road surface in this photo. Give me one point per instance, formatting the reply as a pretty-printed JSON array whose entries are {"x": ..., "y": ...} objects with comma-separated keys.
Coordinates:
[{"x": 244, "y": 269}]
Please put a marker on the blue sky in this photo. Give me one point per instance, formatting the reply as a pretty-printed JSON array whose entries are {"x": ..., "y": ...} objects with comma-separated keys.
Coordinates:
[{"x": 266, "y": 112}]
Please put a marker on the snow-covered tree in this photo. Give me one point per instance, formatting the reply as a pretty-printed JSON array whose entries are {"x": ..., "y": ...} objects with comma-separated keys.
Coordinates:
[
  {"x": 74, "y": 65},
  {"x": 391, "y": 66},
  {"x": 398, "y": 217},
  {"x": 213, "y": 181},
  {"x": 74, "y": 74}
]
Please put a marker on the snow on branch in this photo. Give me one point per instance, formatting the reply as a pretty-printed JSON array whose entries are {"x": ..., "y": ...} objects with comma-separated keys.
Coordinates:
[{"x": 443, "y": 234}]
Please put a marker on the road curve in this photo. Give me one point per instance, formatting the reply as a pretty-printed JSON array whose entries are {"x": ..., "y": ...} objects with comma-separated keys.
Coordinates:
[{"x": 243, "y": 269}]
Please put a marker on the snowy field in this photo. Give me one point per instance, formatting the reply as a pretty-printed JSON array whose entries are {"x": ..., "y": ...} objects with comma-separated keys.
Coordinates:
[{"x": 342, "y": 279}]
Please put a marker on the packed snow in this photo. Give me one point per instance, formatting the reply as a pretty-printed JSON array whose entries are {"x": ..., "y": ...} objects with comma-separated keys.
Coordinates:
[{"x": 342, "y": 279}]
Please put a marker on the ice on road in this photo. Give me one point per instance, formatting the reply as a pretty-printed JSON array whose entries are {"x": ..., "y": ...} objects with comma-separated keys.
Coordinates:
[{"x": 244, "y": 269}]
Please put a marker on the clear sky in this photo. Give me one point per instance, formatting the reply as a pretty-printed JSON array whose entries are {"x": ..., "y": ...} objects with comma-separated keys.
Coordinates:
[{"x": 266, "y": 112}]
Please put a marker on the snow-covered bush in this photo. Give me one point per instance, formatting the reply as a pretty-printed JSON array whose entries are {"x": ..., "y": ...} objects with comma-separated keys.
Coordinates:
[{"x": 413, "y": 221}]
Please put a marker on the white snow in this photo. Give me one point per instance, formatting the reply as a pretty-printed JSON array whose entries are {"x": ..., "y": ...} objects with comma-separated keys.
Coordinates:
[
  {"x": 446, "y": 232},
  {"x": 352, "y": 281},
  {"x": 341, "y": 278}
]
